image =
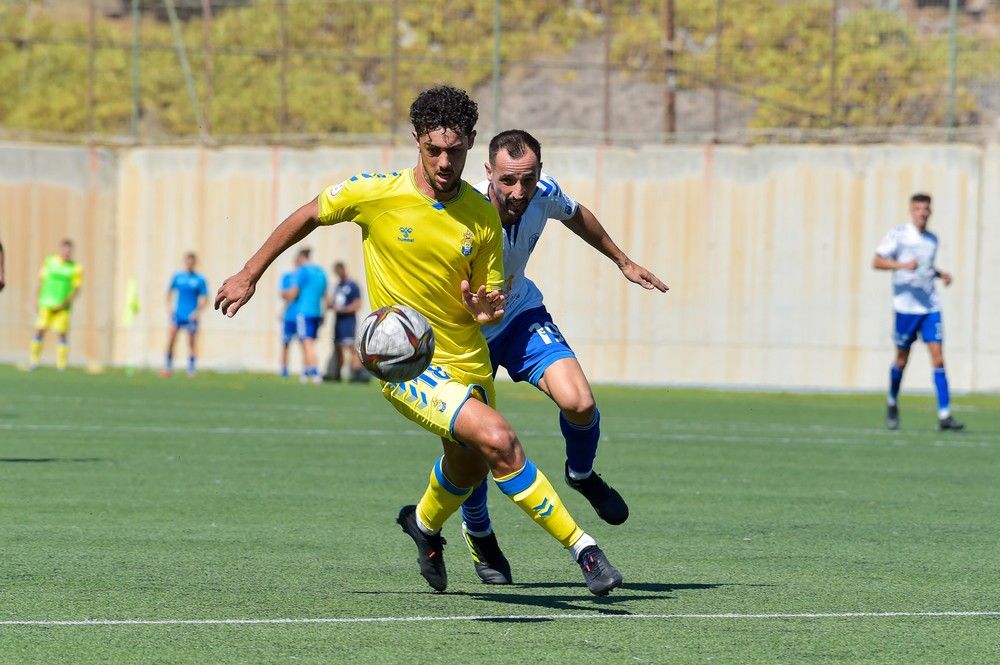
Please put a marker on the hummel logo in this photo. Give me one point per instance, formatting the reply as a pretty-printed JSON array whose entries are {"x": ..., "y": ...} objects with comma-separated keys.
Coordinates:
[{"x": 405, "y": 231}]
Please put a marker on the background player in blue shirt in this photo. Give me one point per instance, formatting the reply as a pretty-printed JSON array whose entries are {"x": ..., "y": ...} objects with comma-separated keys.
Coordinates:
[
  {"x": 309, "y": 292},
  {"x": 184, "y": 310},
  {"x": 528, "y": 344},
  {"x": 289, "y": 322},
  {"x": 345, "y": 303}
]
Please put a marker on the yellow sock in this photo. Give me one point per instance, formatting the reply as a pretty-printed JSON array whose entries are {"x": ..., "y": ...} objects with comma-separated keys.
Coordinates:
[
  {"x": 534, "y": 494},
  {"x": 440, "y": 500},
  {"x": 62, "y": 355},
  {"x": 36, "y": 351}
]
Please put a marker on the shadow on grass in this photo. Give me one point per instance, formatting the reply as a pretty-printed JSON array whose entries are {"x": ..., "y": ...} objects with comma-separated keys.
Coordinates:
[
  {"x": 650, "y": 587},
  {"x": 44, "y": 460},
  {"x": 579, "y": 601}
]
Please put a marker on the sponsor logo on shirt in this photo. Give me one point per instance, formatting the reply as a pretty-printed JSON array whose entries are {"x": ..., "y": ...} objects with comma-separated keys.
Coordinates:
[{"x": 405, "y": 233}]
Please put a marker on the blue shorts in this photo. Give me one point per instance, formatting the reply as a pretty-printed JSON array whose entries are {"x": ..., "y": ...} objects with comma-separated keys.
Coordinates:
[
  {"x": 909, "y": 325},
  {"x": 306, "y": 327},
  {"x": 184, "y": 323},
  {"x": 289, "y": 331},
  {"x": 344, "y": 330},
  {"x": 528, "y": 346}
]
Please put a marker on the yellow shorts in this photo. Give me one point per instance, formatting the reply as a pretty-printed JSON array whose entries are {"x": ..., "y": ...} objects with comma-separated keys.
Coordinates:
[
  {"x": 433, "y": 399},
  {"x": 55, "y": 321}
]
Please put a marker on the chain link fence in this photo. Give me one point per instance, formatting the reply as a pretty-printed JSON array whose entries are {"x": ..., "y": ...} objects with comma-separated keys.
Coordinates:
[{"x": 634, "y": 71}]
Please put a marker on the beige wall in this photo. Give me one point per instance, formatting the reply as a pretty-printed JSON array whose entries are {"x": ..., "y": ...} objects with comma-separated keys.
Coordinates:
[{"x": 767, "y": 252}]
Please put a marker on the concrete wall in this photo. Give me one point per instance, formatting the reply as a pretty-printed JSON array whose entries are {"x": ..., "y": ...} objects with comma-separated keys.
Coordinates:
[{"x": 767, "y": 252}]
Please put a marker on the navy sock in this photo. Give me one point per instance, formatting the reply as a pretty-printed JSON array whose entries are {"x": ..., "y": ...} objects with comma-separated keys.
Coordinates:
[
  {"x": 191, "y": 363},
  {"x": 475, "y": 514},
  {"x": 943, "y": 398},
  {"x": 581, "y": 442},
  {"x": 170, "y": 361},
  {"x": 895, "y": 378}
]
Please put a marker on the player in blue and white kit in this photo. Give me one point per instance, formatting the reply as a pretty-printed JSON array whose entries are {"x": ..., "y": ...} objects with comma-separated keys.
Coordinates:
[
  {"x": 309, "y": 292},
  {"x": 185, "y": 310},
  {"x": 528, "y": 344},
  {"x": 909, "y": 251},
  {"x": 289, "y": 324}
]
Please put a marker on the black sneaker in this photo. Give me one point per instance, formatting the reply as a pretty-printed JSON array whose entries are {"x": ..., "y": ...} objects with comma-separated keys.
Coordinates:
[
  {"x": 949, "y": 423},
  {"x": 490, "y": 563},
  {"x": 600, "y": 575},
  {"x": 430, "y": 549},
  {"x": 606, "y": 500},
  {"x": 892, "y": 416}
]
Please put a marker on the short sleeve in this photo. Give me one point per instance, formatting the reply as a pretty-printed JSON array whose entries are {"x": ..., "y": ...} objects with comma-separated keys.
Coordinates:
[
  {"x": 339, "y": 203},
  {"x": 301, "y": 277},
  {"x": 202, "y": 287},
  {"x": 558, "y": 205},
  {"x": 77, "y": 276},
  {"x": 888, "y": 246}
]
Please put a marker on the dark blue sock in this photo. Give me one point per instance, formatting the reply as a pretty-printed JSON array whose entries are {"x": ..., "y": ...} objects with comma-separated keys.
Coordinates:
[
  {"x": 475, "y": 514},
  {"x": 191, "y": 363},
  {"x": 941, "y": 384},
  {"x": 895, "y": 378},
  {"x": 170, "y": 361},
  {"x": 581, "y": 442}
]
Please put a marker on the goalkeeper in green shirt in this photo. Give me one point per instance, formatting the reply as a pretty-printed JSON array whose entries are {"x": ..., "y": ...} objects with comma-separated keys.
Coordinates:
[{"x": 58, "y": 285}]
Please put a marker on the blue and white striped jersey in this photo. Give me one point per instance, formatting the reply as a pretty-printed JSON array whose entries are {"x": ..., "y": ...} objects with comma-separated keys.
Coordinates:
[{"x": 519, "y": 239}]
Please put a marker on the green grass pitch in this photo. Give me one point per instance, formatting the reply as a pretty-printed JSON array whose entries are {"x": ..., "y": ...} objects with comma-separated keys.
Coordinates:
[{"x": 248, "y": 497}]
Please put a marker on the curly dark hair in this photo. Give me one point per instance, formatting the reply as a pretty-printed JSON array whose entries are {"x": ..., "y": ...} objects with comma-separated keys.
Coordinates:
[{"x": 444, "y": 107}]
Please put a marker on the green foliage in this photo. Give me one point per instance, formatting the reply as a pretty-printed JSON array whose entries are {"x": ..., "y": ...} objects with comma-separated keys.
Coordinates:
[
  {"x": 338, "y": 71},
  {"x": 779, "y": 54}
]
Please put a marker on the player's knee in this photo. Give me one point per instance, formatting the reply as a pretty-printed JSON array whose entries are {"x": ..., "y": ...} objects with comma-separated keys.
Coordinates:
[
  {"x": 500, "y": 447},
  {"x": 579, "y": 407}
]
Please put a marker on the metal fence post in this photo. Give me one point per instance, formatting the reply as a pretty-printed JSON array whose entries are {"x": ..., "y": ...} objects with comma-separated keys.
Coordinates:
[
  {"x": 496, "y": 67},
  {"x": 136, "y": 44},
  {"x": 952, "y": 65}
]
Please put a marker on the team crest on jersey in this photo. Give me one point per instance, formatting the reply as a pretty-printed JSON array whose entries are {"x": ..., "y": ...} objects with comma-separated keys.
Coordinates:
[
  {"x": 467, "y": 238},
  {"x": 405, "y": 233},
  {"x": 439, "y": 405}
]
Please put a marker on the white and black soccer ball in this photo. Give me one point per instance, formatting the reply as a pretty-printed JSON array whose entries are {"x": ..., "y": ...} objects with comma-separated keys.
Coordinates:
[{"x": 395, "y": 343}]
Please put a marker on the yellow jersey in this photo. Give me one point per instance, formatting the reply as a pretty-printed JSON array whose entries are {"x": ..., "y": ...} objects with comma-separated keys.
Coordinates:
[{"x": 417, "y": 252}]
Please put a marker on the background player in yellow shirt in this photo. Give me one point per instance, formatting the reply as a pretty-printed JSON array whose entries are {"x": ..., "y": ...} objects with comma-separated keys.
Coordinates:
[
  {"x": 58, "y": 285},
  {"x": 432, "y": 242}
]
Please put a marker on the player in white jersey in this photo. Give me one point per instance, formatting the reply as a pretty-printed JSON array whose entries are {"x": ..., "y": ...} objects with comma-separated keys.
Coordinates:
[
  {"x": 909, "y": 250},
  {"x": 529, "y": 345}
]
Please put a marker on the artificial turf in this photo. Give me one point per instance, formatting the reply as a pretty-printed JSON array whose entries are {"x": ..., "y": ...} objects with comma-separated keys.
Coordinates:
[{"x": 249, "y": 497}]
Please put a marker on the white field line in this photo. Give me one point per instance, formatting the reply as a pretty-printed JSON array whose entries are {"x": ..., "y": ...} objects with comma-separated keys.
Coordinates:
[
  {"x": 500, "y": 617},
  {"x": 962, "y": 441}
]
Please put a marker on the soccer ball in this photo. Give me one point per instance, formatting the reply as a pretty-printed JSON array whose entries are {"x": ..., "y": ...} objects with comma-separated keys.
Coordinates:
[{"x": 395, "y": 343}]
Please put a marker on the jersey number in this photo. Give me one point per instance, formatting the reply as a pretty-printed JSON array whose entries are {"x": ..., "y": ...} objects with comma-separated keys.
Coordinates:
[{"x": 547, "y": 331}]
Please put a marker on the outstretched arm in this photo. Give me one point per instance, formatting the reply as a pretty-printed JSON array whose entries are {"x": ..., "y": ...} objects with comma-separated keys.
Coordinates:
[
  {"x": 882, "y": 263},
  {"x": 585, "y": 224},
  {"x": 238, "y": 289}
]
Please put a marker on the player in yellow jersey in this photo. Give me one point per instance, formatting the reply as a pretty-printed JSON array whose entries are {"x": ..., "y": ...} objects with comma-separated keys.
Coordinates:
[
  {"x": 58, "y": 286},
  {"x": 431, "y": 242}
]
